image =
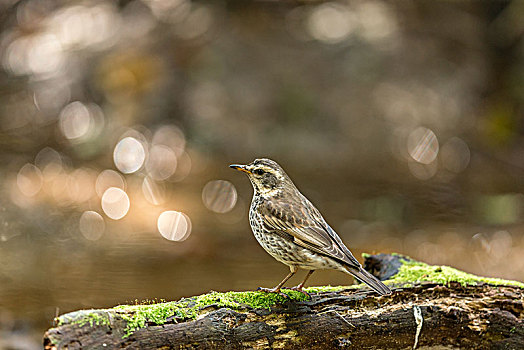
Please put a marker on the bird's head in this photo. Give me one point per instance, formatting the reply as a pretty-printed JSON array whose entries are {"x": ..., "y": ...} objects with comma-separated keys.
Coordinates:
[{"x": 266, "y": 176}]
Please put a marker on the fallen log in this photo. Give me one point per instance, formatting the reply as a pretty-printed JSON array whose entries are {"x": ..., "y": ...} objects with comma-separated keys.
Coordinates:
[{"x": 431, "y": 306}]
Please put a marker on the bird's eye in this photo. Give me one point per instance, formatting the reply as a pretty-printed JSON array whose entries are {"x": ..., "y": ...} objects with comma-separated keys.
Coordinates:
[{"x": 259, "y": 172}]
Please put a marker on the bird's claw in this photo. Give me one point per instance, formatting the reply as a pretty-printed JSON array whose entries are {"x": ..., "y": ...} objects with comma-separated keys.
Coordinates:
[
  {"x": 301, "y": 290},
  {"x": 273, "y": 290}
]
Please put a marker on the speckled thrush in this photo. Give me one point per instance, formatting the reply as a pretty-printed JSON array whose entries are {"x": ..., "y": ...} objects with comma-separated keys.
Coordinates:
[{"x": 293, "y": 231}]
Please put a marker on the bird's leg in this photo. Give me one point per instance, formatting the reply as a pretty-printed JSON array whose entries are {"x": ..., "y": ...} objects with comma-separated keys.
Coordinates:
[
  {"x": 292, "y": 271},
  {"x": 301, "y": 285}
]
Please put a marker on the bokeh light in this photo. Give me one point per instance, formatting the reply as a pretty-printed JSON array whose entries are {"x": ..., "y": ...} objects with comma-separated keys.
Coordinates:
[
  {"x": 45, "y": 54},
  {"x": 129, "y": 155},
  {"x": 38, "y": 54},
  {"x": 196, "y": 24},
  {"x": 423, "y": 145},
  {"x": 80, "y": 26},
  {"x": 219, "y": 196},
  {"x": 377, "y": 22},
  {"x": 58, "y": 189},
  {"x": 115, "y": 203},
  {"x": 480, "y": 242},
  {"x": 174, "y": 225},
  {"x": 50, "y": 162},
  {"x": 109, "y": 178},
  {"x": 153, "y": 192},
  {"x": 423, "y": 171},
  {"x": 331, "y": 22},
  {"x": 172, "y": 11},
  {"x": 29, "y": 180},
  {"x": 81, "y": 185},
  {"x": 501, "y": 244},
  {"x": 91, "y": 225},
  {"x": 50, "y": 98},
  {"x": 75, "y": 120},
  {"x": 161, "y": 163},
  {"x": 183, "y": 168},
  {"x": 170, "y": 136}
]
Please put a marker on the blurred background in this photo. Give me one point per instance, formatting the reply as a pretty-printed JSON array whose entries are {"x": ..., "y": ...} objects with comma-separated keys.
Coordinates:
[{"x": 401, "y": 121}]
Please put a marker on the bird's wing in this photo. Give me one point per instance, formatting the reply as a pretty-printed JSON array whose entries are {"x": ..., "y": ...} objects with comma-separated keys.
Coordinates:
[{"x": 300, "y": 220}]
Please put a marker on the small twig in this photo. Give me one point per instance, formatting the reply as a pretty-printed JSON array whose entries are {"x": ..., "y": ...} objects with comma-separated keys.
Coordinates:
[
  {"x": 417, "y": 312},
  {"x": 339, "y": 315}
]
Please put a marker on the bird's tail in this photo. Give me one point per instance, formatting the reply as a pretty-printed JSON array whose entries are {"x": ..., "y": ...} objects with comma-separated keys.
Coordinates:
[{"x": 364, "y": 276}]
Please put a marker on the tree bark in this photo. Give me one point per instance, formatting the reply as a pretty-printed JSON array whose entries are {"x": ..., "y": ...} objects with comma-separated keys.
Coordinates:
[{"x": 452, "y": 316}]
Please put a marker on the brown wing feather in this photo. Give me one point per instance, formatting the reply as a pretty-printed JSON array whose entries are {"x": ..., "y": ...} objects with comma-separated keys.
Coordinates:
[{"x": 300, "y": 219}]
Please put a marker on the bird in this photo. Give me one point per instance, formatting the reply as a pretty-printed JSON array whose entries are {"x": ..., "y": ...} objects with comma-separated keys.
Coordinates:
[{"x": 292, "y": 230}]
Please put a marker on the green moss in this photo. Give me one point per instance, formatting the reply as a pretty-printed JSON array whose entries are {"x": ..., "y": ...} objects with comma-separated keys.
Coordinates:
[
  {"x": 83, "y": 317},
  {"x": 413, "y": 271},
  {"x": 137, "y": 316},
  {"x": 327, "y": 289}
]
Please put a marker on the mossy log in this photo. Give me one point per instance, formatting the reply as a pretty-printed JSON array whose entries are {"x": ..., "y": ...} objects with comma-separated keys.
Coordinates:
[{"x": 431, "y": 307}]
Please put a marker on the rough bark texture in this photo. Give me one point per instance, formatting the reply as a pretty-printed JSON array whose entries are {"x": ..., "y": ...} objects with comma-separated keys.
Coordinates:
[{"x": 454, "y": 316}]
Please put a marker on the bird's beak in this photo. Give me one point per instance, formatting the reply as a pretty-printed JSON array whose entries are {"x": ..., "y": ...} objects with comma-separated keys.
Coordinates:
[{"x": 240, "y": 167}]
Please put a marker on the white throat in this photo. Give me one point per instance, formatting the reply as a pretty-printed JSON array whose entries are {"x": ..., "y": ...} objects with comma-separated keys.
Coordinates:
[{"x": 269, "y": 192}]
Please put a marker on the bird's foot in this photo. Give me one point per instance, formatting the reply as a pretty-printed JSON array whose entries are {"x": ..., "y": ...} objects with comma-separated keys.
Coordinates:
[
  {"x": 300, "y": 288},
  {"x": 273, "y": 290}
]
